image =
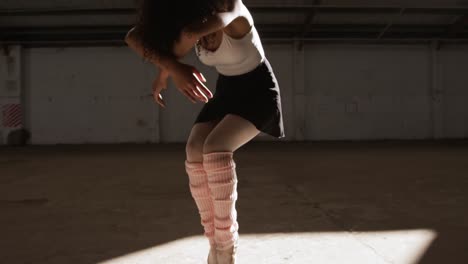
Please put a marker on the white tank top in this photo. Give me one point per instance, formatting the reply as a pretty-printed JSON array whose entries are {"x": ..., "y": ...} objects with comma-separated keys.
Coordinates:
[{"x": 235, "y": 56}]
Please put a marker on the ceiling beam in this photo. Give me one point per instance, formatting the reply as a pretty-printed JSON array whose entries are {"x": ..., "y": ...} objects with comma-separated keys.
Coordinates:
[
  {"x": 67, "y": 12},
  {"x": 390, "y": 23},
  {"x": 458, "y": 26},
  {"x": 317, "y": 31},
  {"x": 253, "y": 8}
]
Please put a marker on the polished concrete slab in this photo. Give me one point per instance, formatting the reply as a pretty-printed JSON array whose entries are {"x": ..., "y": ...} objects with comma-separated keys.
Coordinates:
[{"x": 337, "y": 202}]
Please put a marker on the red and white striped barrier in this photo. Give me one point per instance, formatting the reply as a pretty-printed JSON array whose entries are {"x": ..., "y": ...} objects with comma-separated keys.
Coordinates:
[{"x": 12, "y": 115}]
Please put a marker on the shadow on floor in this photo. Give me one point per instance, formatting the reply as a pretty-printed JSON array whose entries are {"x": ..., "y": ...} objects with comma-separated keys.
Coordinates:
[{"x": 86, "y": 204}]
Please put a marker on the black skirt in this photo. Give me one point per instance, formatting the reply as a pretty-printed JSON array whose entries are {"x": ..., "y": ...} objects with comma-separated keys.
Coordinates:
[{"x": 255, "y": 96}]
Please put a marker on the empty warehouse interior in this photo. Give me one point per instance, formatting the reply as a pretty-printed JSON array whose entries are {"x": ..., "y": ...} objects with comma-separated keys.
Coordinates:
[{"x": 372, "y": 167}]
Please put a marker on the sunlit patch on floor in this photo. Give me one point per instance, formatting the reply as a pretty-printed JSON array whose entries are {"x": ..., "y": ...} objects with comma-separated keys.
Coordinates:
[{"x": 399, "y": 246}]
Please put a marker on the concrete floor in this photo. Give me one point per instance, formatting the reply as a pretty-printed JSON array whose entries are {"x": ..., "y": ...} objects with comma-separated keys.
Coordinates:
[{"x": 381, "y": 202}]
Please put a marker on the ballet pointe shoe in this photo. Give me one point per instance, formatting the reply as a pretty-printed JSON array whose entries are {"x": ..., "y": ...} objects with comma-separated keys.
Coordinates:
[
  {"x": 212, "y": 256},
  {"x": 227, "y": 256}
]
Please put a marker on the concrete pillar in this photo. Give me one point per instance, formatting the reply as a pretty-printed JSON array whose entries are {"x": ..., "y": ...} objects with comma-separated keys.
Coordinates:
[
  {"x": 436, "y": 92},
  {"x": 300, "y": 98},
  {"x": 11, "y": 110}
]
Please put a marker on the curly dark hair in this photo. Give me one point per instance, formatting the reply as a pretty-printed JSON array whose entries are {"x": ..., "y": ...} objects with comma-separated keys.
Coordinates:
[{"x": 160, "y": 22}]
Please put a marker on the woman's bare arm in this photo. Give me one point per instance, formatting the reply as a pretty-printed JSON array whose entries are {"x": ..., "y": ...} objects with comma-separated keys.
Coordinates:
[
  {"x": 187, "y": 79},
  {"x": 163, "y": 62}
]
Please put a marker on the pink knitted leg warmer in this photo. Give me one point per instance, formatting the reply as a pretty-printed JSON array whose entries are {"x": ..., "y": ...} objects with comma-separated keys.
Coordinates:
[
  {"x": 200, "y": 191},
  {"x": 222, "y": 181}
]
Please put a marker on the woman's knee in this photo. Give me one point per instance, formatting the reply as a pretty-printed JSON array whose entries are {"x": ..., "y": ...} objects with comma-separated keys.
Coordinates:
[
  {"x": 196, "y": 140},
  {"x": 215, "y": 144},
  {"x": 194, "y": 151}
]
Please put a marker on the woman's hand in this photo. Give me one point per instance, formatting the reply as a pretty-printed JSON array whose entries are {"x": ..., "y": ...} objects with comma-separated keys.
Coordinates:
[
  {"x": 190, "y": 82},
  {"x": 158, "y": 84}
]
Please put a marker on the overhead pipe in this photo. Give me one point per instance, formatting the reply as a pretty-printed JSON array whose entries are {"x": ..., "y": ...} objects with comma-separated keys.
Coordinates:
[
  {"x": 390, "y": 23},
  {"x": 121, "y": 43},
  {"x": 253, "y": 8},
  {"x": 116, "y": 37}
]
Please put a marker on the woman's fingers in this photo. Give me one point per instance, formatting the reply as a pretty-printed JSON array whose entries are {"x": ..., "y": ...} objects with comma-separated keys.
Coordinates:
[
  {"x": 199, "y": 81},
  {"x": 196, "y": 93},
  {"x": 161, "y": 101},
  {"x": 199, "y": 75},
  {"x": 200, "y": 93},
  {"x": 190, "y": 82},
  {"x": 158, "y": 98},
  {"x": 203, "y": 90},
  {"x": 157, "y": 86},
  {"x": 190, "y": 96},
  {"x": 189, "y": 91}
]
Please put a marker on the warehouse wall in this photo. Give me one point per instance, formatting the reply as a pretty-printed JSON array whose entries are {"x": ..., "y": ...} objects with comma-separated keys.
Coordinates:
[
  {"x": 368, "y": 92},
  {"x": 87, "y": 95},
  {"x": 454, "y": 88},
  {"x": 11, "y": 114},
  {"x": 358, "y": 92},
  {"x": 329, "y": 92}
]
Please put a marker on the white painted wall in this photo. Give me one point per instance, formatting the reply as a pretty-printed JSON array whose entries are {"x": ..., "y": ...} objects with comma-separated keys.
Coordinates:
[
  {"x": 454, "y": 83},
  {"x": 87, "y": 95},
  {"x": 329, "y": 92},
  {"x": 367, "y": 92}
]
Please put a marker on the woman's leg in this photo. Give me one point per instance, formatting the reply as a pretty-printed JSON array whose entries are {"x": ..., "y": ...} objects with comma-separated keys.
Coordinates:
[
  {"x": 231, "y": 133},
  {"x": 196, "y": 140},
  {"x": 198, "y": 181},
  {"x": 228, "y": 135}
]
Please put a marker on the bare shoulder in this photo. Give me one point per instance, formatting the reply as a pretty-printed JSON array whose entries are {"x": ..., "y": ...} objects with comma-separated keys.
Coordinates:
[{"x": 240, "y": 26}]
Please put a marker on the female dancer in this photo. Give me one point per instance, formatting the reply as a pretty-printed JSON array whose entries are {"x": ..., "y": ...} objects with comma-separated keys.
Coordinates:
[{"x": 246, "y": 102}]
